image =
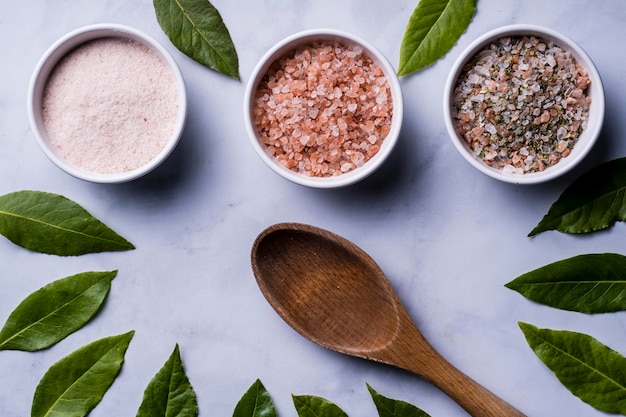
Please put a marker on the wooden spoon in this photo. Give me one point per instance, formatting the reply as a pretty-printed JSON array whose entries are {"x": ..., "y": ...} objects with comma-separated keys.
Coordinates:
[{"x": 331, "y": 292}]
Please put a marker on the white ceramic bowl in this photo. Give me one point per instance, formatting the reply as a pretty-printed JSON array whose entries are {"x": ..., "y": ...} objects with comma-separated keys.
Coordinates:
[
  {"x": 45, "y": 67},
  {"x": 291, "y": 43},
  {"x": 596, "y": 109}
]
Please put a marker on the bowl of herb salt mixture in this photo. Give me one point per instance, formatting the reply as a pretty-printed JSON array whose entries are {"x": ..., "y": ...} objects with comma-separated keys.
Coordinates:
[
  {"x": 524, "y": 104},
  {"x": 107, "y": 103},
  {"x": 323, "y": 108}
]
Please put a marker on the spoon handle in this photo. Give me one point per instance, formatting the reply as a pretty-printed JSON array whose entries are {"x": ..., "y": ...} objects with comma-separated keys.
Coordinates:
[
  {"x": 416, "y": 355},
  {"x": 477, "y": 400}
]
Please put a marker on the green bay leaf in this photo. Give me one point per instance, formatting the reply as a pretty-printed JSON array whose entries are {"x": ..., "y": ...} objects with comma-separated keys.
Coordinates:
[
  {"x": 388, "y": 407},
  {"x": 196, "y": 28},
  {"x": 313, "y": 406},
  {"x": 587, "y": 368},
  {"x": 590, "y": 283},
  {"x": 53, "y": 224},
  {"x": 432, "y": 30},
  {"x": 75, "y": 384},
  {"x": 169, "y": 393},
  {"x": 55, "y": 311},
  {"x": 256, "y": 402},
  {"x": 594, "y": 201}
]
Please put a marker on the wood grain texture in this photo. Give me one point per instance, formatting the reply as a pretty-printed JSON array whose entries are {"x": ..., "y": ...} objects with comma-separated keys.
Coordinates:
[{"x": 334, "y": 294}]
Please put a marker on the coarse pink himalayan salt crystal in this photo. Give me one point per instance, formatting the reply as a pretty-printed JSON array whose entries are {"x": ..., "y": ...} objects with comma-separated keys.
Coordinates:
[
  {"x": 323, "y": 109},
  {"x": 110, "y": 105}
]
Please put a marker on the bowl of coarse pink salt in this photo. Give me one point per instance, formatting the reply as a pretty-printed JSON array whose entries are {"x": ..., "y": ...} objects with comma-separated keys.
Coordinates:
[
  {"x": 107, "y": 103},
  {"x": 524, "y": 104},
  {"x": 323, "y": 108}
]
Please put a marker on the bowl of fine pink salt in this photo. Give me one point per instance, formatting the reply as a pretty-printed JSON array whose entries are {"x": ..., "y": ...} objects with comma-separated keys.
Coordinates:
[
  {"x": 524, "y": 104},
  {"x": 323, "y": 108},
  {"x": 107, "y": 103}
]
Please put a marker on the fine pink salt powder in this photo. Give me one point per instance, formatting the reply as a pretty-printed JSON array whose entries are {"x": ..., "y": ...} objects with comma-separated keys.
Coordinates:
[{"x": 110, "y": 105}]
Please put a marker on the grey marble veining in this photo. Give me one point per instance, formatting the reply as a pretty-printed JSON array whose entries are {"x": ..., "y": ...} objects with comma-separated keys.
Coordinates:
[{"x": 448, "y": 237}]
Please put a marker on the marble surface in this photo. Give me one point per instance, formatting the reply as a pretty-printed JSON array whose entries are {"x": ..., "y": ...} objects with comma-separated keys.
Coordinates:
[{"x": 448, "y": 237}]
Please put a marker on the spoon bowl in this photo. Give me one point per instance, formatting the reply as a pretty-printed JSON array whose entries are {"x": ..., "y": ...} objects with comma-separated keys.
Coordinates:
[{"x": 334, "y": 294}]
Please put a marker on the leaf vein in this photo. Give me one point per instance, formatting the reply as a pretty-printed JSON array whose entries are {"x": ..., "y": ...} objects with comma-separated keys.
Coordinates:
[{"x": 51, "y": 225}]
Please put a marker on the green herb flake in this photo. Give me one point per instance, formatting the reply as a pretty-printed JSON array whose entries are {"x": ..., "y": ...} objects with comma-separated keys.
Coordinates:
[
  {"x": 74, "y": 385},
  {"x": 432, "y": 30},
  {"x": 312, "y": 406},
  {"x": 388, "y": 407},
  {"x": 590, "y": 370},
  {"x": 256, "y": 402},
  {"x": 594, "y": 201},
  {"x": 196, "y": 28},
  {"x": 169, "y": 393},
  {"x": 53, "y": 224},
  {"x": 55, "y": 311},
  {"x": 591, "y": 283}
]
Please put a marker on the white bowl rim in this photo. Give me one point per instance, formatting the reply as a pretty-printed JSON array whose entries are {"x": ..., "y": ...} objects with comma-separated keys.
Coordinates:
[
  {"x": 47, "y": 63},
  {"x": 390, "y": 140},
  {"x": 589, "y": 135}
]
